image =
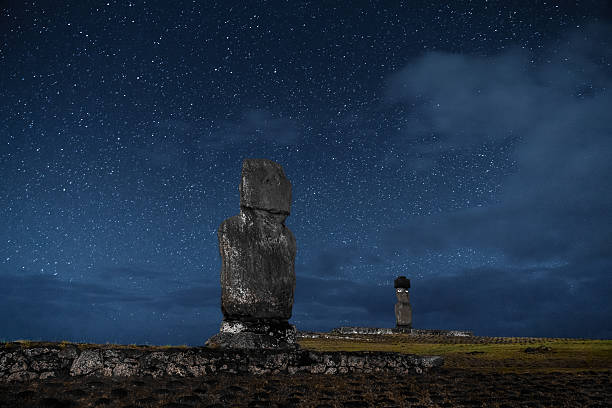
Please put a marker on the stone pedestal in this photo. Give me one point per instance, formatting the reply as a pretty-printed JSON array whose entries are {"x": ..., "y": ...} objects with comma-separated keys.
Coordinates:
[
  {"x": 258, "y": 263},
  {"x": 403, "y": 310},
  {"x": 264, "y": 334}
]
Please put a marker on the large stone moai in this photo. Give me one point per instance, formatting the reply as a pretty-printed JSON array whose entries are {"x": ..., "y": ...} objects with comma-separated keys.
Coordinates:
[
  {"x": 258, "y": 263},
  {"x": 403, "y": 310}
]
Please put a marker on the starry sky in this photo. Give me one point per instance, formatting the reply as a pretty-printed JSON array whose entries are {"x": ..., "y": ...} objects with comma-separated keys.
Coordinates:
[{"x": 464, "y": 144}]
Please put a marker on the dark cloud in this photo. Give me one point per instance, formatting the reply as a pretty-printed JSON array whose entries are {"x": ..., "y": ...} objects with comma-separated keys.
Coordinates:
[
  {"x": 322, "y": 304},
  {"x": 196, "y": 297},
  {"x": 48, "y": 308},
  {"x": 49, "y": 289},
  {"x": 547, "y": 302},
  {"x": 42, "y": 306}
]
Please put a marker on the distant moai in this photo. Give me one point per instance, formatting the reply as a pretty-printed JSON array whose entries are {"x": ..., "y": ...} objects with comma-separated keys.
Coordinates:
[
  {"x": 403, "y": 310},
  {"x": 258, "y": 263}
]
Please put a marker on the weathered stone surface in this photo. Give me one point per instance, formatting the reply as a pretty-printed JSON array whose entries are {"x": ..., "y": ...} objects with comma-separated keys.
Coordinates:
[
  {"x": 264, "y": 186},
  {"x": 258, "y": 266},
  {"x": 88, "y": 363},
  {"x": 254, "y": 335},
  {"x": 258, "y": 262},
  {"x": 403, "y": 310},
  {"x": 68, "y": 353},
  {"x": 197, "y": 362}
]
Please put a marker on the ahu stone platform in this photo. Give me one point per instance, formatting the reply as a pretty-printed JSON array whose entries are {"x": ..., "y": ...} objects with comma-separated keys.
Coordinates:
[
  {"x": 21, "y": 363},
  {"x": 399, "y": 330}
]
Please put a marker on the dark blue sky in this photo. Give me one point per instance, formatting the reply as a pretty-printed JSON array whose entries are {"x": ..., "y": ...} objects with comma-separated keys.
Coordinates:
[{"x": 466, "y": 145}]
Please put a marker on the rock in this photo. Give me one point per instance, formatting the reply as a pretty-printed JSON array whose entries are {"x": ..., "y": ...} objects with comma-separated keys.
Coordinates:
[
  {"x": 20, "y": 365},
  {"x": 124, "y": 369},
  {"x": 429, "y": 361},
  {"x": 258, "y": 272},
  {"x": 68, "y": 352},
  {"x": 538, "y": 350},
  {"x": 254, "y": 335},
  {"x": 200, "y": 361},
  {"x": 88, "y": 363},
  {"x": 47, "y": 374},
  {"x": 258, "y": 263},
  {"x": 22, "y": 376},
  {"x": 264, "y": 186},
  {"x": 403, "y": 310}
]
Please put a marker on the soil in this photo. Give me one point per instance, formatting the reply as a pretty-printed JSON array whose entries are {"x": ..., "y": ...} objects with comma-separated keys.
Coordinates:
[{"x": 445, "y": 388}]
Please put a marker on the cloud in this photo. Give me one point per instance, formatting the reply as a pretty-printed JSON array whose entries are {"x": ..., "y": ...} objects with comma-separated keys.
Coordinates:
[
  {"x": 467, "y": 99},
  {"x": 44, "y": 307},
  {"x": 546, "y": 302},
  {"x": 50, "y": 289},
  {"x": 555, "y": 204},
  {"x": 322, "y": 304},
  {"x": 196, "y": 297}
]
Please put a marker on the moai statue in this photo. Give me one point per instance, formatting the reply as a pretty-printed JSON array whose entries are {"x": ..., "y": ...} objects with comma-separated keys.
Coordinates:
[
  {"x": 403, "y": 310},
  {"x": 258, "y": 263}
]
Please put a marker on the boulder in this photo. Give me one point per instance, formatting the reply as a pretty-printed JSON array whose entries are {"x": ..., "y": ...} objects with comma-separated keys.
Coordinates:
[{"x": 264, "y": 186}]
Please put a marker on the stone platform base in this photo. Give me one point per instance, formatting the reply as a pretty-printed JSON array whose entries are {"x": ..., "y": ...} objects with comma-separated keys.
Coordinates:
[
  {"x": 21, "y": 363},
  {"x": 254, "y": 336},
  {"x": 399, "y": 330}
]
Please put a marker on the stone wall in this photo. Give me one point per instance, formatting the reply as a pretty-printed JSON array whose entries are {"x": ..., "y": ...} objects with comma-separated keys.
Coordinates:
[
  {"x": 18, "y": 363},
  {"x": 385, "y": 330}
]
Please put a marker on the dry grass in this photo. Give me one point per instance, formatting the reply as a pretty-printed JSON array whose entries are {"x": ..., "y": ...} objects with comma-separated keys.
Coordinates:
[{"x": 481, "y": 353}]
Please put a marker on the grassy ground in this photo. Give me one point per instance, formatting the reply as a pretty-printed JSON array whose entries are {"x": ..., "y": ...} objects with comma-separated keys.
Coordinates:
[
  {"x": 482, "y": 353},
  {"x": 478, "y": 372}
]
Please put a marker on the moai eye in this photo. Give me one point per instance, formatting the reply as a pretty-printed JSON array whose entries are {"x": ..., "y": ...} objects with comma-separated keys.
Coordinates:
[{"x": 272, "y": 180}]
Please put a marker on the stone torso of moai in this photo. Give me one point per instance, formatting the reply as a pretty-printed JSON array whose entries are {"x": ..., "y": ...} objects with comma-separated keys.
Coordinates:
[
  {"x": 403, "y": 310},
  {"x": 258, "y": 263}
]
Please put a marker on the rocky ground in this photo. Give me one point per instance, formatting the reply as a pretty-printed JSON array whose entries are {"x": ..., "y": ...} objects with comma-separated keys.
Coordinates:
[
  {"x": 446, "y": 388},
  {"x": 546, "y": 376}
]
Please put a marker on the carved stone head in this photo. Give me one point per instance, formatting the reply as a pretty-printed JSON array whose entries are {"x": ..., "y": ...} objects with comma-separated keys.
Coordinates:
[
  {"x": 265, "y": 187},
  {"x": 403, "y": 296},
  {"x": 402, "y": 284}
]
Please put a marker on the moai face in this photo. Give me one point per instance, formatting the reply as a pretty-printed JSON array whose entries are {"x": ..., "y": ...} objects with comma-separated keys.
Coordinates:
[
  {"x": 265, "y": 187},
  {"x": 403, "y": 296}
]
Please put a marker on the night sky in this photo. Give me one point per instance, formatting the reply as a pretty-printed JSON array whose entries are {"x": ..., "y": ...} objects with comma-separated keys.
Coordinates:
[{"x": 465, "y": 145}]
